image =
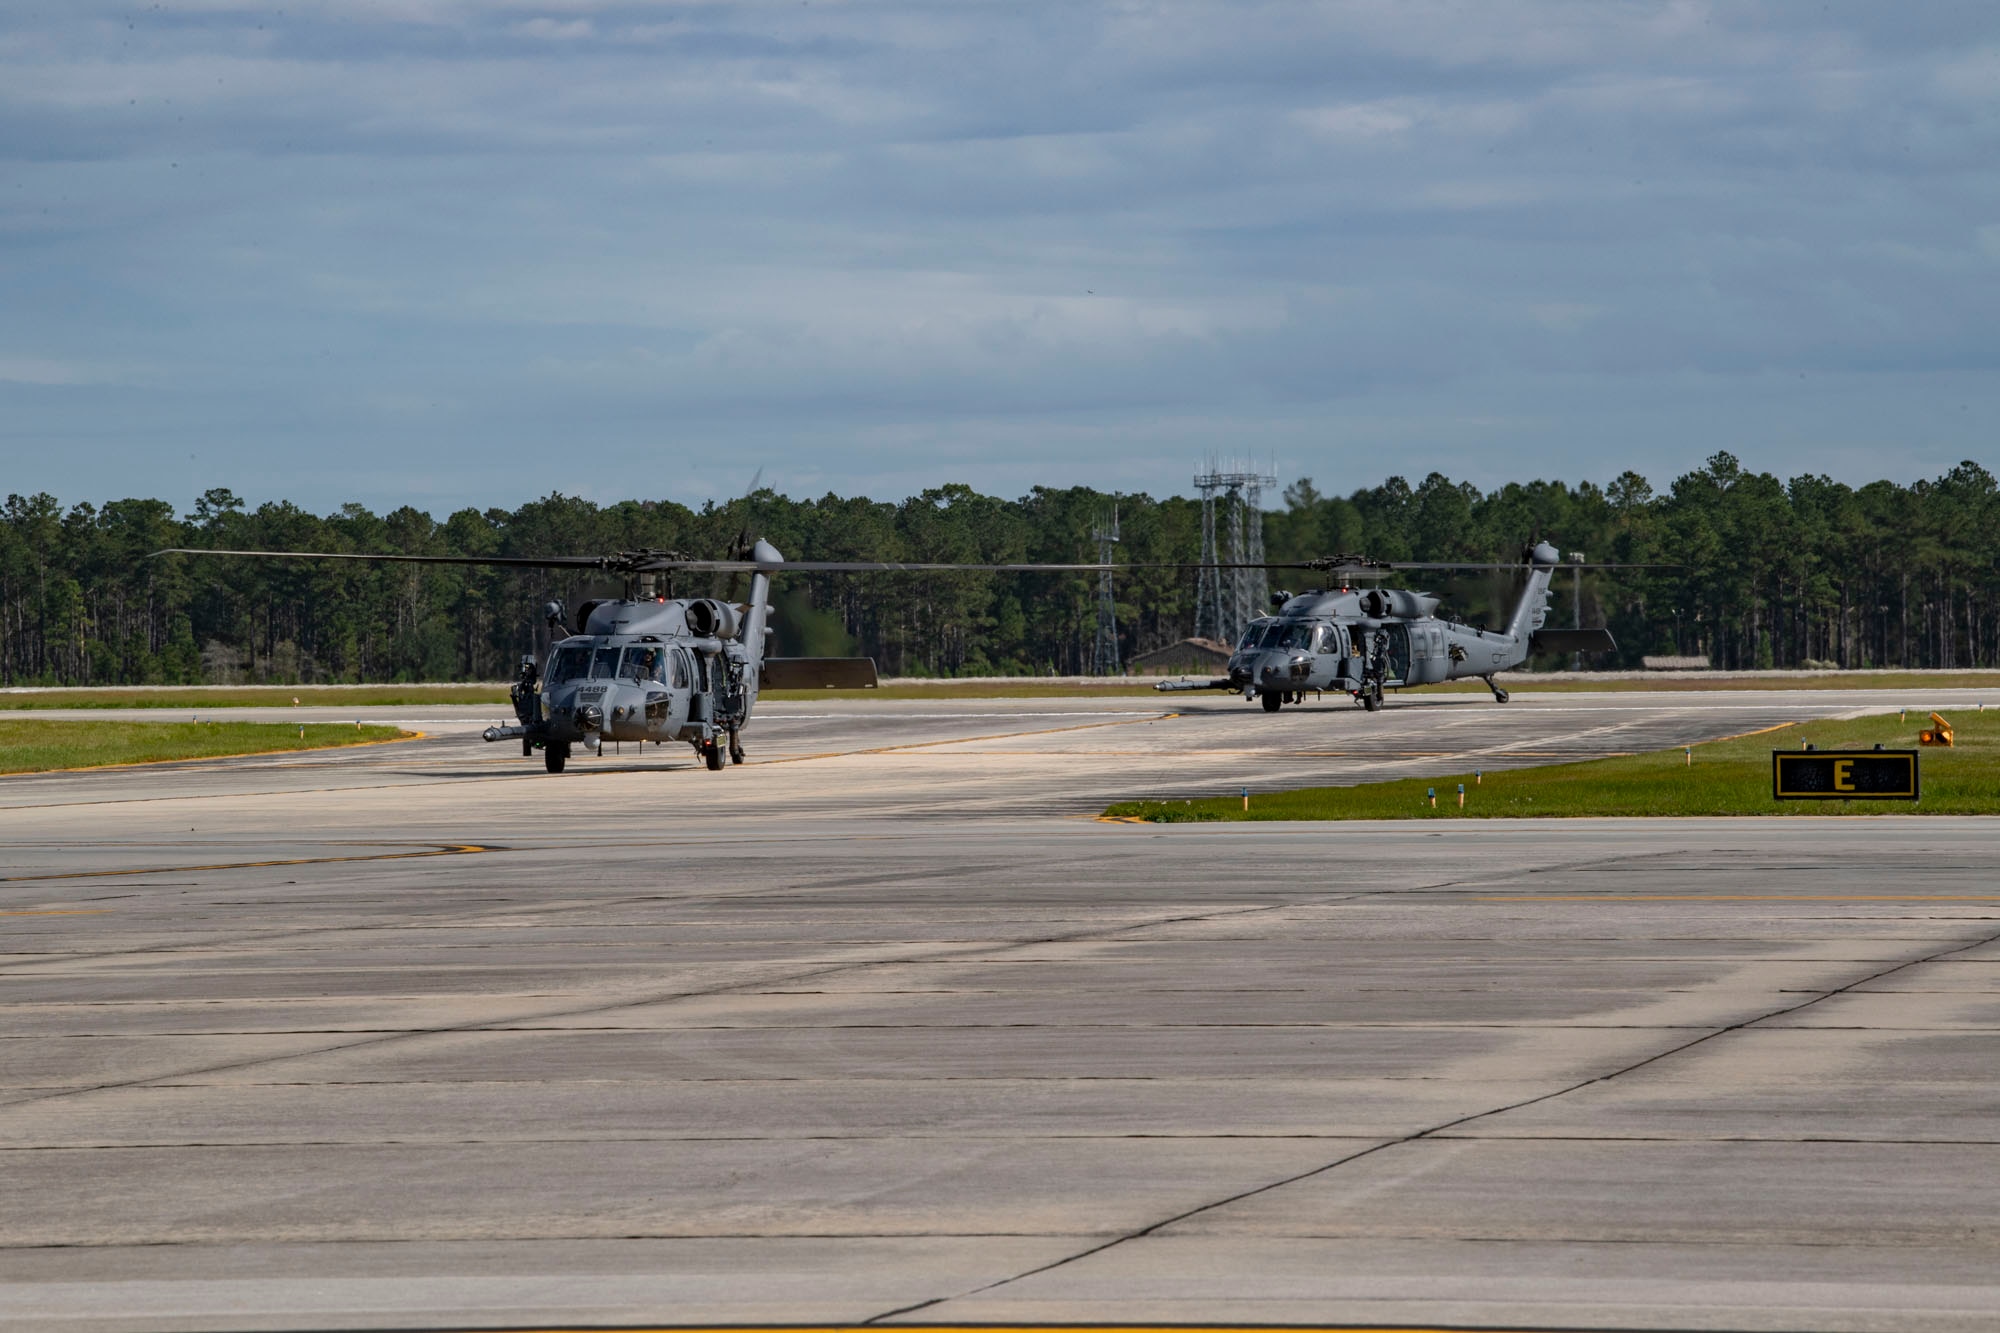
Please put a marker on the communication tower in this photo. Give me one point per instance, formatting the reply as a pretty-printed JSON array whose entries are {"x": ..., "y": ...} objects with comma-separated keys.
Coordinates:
[
  {"x": 1226, "y": 600},
  {"x": 1104, "y": 657}
]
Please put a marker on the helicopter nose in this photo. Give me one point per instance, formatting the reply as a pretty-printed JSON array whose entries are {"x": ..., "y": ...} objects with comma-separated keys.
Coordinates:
[{"x": 1279, "y": 668}]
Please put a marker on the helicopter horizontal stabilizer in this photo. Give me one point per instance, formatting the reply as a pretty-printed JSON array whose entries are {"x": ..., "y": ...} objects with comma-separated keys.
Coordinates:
[
  {"x": 1573, "y": 641},
  {"x": 819, "y": 673}
]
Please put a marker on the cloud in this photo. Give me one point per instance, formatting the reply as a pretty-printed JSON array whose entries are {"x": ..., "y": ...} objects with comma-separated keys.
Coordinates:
[
  {"x": 861, "y": 240},
  {"x": 1357, "y": 121},
  {"x": 1564, "y": 316},
  {"x": 52, "y": 372},
  {"x": 556, "y": 30}
]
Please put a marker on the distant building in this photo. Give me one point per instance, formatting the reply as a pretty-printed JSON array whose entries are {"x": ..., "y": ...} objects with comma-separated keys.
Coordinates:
[
  {"x": 1189, "y": 657},
  {"x": 1675, "y": 663}
]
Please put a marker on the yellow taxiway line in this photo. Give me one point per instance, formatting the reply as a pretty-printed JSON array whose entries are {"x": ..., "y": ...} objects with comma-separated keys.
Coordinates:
[
  {"x": 1024, "y": 1328},
  {"x": 1740, "y": 898},
  {"x": 243, "y": 754},
  {"x": 456, "y": 849}
]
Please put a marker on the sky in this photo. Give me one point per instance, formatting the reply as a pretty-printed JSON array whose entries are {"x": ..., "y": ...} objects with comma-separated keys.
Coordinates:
[{"x": 446, "y": 253}]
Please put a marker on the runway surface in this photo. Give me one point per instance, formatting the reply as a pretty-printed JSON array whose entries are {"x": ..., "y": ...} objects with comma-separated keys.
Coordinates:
[{"x": 883, "y": 1027}]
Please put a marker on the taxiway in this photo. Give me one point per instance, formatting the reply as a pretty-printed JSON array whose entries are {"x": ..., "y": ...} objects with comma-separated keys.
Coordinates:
[{"x": 883, "y": 1027}]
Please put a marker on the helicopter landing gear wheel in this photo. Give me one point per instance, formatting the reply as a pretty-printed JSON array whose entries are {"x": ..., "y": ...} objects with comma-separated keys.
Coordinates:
[
  {"x": 1272, "y": 702},
  {"x": 735, "y": 749},
  {"x": 1371, "y": 698},
  {"x": 554, "y": 756},
  {"x": 711, "y": 755},
  {"x": 1500, "y": 696}
]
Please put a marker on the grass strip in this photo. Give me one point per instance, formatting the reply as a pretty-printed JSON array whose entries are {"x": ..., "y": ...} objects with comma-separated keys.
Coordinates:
[
  {"x": 1702, "y": 682},
  {"x": 1728, "y": 777},
  {"x": 33, "y": 745},
  {"x": 252, "y": 696},
  {"x": 1693, "y": 682}
]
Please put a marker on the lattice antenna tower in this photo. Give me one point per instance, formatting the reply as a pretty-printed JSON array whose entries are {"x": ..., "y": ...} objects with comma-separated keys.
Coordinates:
[
  {"x": 1226, "y": 600},
  {"x": 1104, "y": 656}
]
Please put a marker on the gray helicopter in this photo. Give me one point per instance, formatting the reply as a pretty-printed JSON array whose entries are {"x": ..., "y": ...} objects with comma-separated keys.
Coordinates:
[
  {"x": 649, "y": 666},
  {"x": 1361, "y": 642},
  {"x": 659, "y": 669}
]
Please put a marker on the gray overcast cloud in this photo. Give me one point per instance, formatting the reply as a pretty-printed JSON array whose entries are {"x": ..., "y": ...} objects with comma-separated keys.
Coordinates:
[{"x": 453, "y": 253}]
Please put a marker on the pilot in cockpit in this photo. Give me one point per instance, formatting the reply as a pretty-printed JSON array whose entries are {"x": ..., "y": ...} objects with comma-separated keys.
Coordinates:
[{"x": 643, "y": 664}]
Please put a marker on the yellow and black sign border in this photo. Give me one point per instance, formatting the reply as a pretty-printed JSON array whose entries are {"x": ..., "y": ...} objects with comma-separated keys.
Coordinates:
[{"x": 1778, "y": 792}]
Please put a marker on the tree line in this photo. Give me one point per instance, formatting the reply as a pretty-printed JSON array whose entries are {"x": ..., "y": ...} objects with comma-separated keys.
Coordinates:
[{"x": 1754, "y": 572}]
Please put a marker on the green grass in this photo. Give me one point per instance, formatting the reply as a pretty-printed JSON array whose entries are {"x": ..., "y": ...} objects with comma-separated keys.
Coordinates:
[
  {"x": 34, "y": 745},
  {"x": 1730, "y": 777},
  {"x": 385, "y": 696},
  {"x": 197, "y": 699},
  {"x": 1142, "y": 686},
  {"x": 1700, "y": 681}
]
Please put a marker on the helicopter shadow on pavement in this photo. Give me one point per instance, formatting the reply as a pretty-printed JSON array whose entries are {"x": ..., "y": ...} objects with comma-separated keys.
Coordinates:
[
  {"x": 577, "y": 768},
  {"x": 1235, "y": 710}
]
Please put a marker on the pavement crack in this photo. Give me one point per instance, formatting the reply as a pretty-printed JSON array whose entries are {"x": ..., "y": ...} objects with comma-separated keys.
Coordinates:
[
  {"x": 1440, "y": 1130},
  {"x": 752, "y": 986}
]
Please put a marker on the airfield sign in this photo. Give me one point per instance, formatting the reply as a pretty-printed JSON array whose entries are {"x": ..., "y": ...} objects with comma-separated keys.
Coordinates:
[{"x": 1844, "y": 775}]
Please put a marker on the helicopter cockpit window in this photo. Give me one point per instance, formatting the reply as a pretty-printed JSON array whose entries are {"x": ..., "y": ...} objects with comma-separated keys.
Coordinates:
[
  {"x": 1329, "y": 640},
  {"x": 1287, "y": 634},
  {"x": 643, "y": 664},
  {"x": 681, "y": 674},
  {"x": 604, "y": 665},
  {"x": 570, "y": 663},
  {"x": 1251, "y": 635}
]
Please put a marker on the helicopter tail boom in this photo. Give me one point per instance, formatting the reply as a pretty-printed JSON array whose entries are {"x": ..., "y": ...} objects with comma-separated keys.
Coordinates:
[
  {"x": 760, "y": 600},
  {"x": 1533, "y": 607}
]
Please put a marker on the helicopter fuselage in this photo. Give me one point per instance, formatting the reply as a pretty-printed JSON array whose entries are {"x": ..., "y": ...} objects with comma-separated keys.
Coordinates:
[
  {"x": 1321, "y": 642},
  {"x": 1365, "y": 641},
  {"x": 646, "y": 669},
  {"x": 641, "y": 671}
]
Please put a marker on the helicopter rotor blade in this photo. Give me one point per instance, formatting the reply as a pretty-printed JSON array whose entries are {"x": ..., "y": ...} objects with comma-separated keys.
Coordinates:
[
  {"x": 883, "y": 567},
  {"x": 645, "y": 562},
  {"x": 497, "y": 561},
  {"x": 1377, "y": 569},
  {"x": 648, "y": 562},
  {"x": 1581, "y": 564}
]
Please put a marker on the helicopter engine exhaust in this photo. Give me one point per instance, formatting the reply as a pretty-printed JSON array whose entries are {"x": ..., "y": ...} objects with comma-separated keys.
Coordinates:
[{"x": 709, "y": 619}]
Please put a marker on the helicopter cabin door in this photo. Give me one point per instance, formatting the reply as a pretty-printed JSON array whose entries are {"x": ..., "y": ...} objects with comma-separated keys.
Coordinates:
[
  {"x": 1333, "y": 653},
  {"x": 650, "y": 664},
  {"x": 1427, "y": 662},
  {"x": 1398, "y": 666}
]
